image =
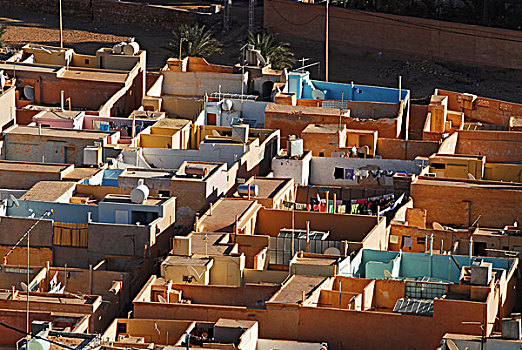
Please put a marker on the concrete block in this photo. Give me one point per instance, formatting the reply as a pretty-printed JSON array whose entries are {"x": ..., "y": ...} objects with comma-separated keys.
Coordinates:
[
  {"x": 481, "y": 274},
  {"x": 511, "y": 329}
]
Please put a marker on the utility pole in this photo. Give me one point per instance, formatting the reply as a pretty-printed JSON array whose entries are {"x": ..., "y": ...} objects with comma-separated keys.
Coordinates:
[
  {"x": 251, "y": 4},
  {"x": 226, "y": 15},
  {"x": 327, "y": 8},
  {"x": 61, "y": 26}
]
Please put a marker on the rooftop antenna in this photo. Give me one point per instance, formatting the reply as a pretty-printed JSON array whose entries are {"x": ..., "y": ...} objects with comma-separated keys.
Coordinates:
[
  {"x": 206, "y": 245},
  {"x": 14, "y": 200},
  {"x": 195, "y": 272},
  {"x": 341, "y": 109}
]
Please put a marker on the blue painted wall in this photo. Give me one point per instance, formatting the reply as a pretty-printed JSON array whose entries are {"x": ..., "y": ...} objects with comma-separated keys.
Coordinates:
[
  {"x": 62, "y": 212},
  {"x": 302, "y": 86},
  {"x": 415, "y": 265}
]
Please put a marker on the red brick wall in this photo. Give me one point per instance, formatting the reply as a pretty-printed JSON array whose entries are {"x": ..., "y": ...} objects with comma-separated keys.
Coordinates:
[{"x": 383, "y": 32}]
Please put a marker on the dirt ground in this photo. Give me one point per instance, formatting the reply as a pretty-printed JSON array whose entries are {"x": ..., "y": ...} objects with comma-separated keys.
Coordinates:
[{"x": 347, "y": 64}]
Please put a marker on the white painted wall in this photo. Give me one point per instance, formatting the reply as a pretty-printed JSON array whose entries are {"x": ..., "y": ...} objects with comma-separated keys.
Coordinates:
[
  {"x": 322, "y": 169},
  {"x": 297, "y": 169}
]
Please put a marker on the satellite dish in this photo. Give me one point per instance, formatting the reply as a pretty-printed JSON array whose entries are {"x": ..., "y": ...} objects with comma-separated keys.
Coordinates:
[
  {"x": 387, "y": 274},
  {"x": 161, "y": 299},
  {"x": 471, "y": 177},
  {"x": 437, "y": 226},
  {"x": 29, "y": 92},
  {"x": 451, "y": 345},
  {"x": 195, "y": 272},
  {"x": 14, "y": 200},
  {"x": 317, "y": 94},
  {"x": 260, "y": 58},
  {"x": 226, "y": 105},
  {"x": 332, "y": 251},
  {"x": 24, "y": 286}
]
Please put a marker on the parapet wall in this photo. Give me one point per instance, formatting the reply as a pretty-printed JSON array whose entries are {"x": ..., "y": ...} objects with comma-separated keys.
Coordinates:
[
  {"x": 113, "y": 12},
  {"x": 408, "y": 35}
]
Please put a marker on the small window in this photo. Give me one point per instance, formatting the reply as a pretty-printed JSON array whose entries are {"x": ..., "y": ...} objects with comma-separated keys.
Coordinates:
[
  {"x": 164, "y": 193},
  {"x": 321, "y": 154},
  {"x": 122, "y": 328},
  {"x": 421, "y": 240},
  {"x": 406, "y": 242},
  {"x": 338, "y": 173},
  {"x": 86, "y": 61},
  {"x": 438, "y": 165}
]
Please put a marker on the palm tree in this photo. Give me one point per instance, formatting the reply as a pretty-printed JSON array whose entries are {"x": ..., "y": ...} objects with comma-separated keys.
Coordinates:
[
  {"x": 278, "y": 52},
  {"x": 196, "y": 41},
  {"x": 2, "y": 41}
]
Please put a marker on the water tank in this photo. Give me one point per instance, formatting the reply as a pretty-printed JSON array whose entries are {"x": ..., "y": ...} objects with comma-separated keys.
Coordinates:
[
  {"x": 118, "y": 48},
  {"x": 2, "y": 81},
  {"x": 243, "y": 189},
  {"x": 195, "y": 171},
  {"x": 131, "y": 48},
  {"x": 139, "y": 193},
  {"x": 240, "y": 133},
  {"x": 38, "y": 344},
  {"x": 294, "y": 146}
]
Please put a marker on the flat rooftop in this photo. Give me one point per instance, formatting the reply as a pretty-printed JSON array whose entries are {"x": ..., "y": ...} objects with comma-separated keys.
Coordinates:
[
  {"x": 147, "y": 115},
  {"x": 209, "y": 243},
  {"x": 148, "y": 174},
  {"x": 468, "y": 184},
  {"x": 295, "y": 111},
  {"x": 316, "y": 261},
  {"x": 224, "y": 214},
  {"x": 58, "y": 115},
  {"x": 182, "y": 260},
  {"x": 93, "y": 75},
  {"x": 48, "y": 191},
  {"x": 292, "y": 291},
  {"x": 32, "y": 167},
  {"x": 173, "y": 123},
  {"x": 124, "y": 199},
  {"x": 80, "y": 173},
  {"x": 50, "y": 132},
  {"x": 323, "y": 128},
  {"x": 457, "y": 156},
  {"x": 30, "y": 67},
  {"x": 268, "y": 187}
]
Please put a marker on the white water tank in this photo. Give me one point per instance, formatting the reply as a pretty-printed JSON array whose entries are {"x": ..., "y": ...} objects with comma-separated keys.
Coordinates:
[
  {"x": 139, "y": 193},
  {"x": 131, "y": 48},
  {"x": 38, "y": 344}
]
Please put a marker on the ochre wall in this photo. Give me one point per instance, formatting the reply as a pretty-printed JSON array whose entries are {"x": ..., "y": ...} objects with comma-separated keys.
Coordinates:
[
  {"x": 405, "y": 149},
  {"x": 497, "y": 146},
  {"x": 450, "y": 204}
]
